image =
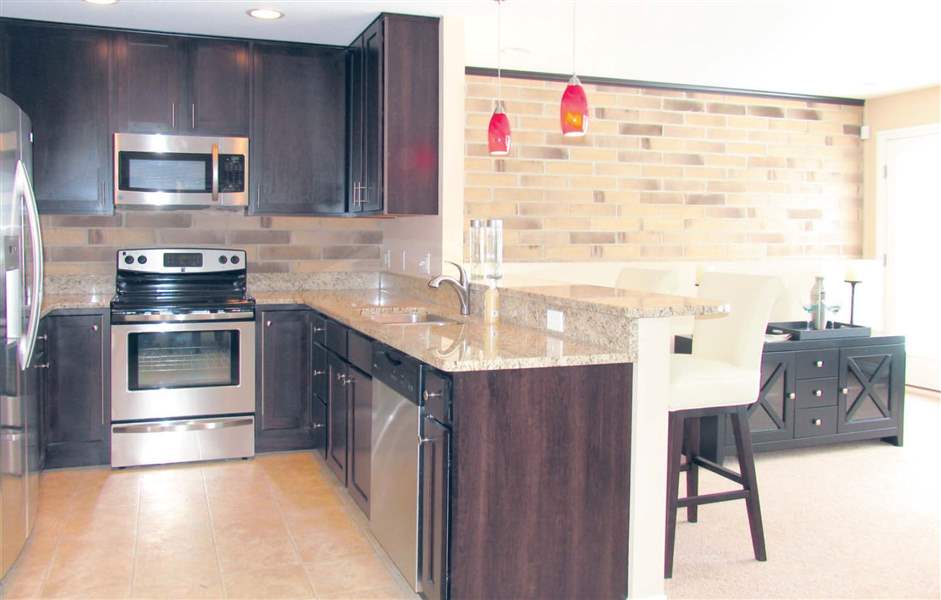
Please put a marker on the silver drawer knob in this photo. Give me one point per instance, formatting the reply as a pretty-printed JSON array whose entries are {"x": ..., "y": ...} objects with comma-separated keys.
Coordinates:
[
  {"x": 845, "y": 391},
  {"x": 318, "y": 373},
  {"x": 268, "y": 323},
  {"x": 817, "y": 422},
  {"x": 818, "y": 393},
  {"x": 94, "y": 328},
  {"x": 791, "y": 396},
  {"x": 818, "y": 364},
  {"x": 319, "y": 329},
  {"x": 428, "y": 395}
]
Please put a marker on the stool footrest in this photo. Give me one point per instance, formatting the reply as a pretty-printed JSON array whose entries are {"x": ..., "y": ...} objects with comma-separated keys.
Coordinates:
[
  {"x": 718, "y": 469},
  {"x": 711, "y": 498}
]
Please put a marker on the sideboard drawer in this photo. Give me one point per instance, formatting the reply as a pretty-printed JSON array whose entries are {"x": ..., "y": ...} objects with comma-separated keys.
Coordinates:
[
  {"x": 812, "y": 393},
  {"x": 817, "y": 363},
  {"x": 812, "y": 422}
]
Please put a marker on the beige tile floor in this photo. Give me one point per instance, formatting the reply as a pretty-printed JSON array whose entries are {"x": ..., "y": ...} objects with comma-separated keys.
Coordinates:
[{"x": 277, "y": 526}]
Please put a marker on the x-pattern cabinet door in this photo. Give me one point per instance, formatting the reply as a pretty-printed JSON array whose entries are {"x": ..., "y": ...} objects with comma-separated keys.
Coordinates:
[
  {"x": 772, "y": 416},
  {"x": 872, "y": 387}
]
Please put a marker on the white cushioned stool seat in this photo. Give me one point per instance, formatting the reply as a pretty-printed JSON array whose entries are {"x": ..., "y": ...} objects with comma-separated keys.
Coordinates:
[{"x": 705, "y": 383}]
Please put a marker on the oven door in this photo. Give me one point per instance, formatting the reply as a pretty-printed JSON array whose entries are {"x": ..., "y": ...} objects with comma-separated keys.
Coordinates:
[{"x": 170, "y": 370}]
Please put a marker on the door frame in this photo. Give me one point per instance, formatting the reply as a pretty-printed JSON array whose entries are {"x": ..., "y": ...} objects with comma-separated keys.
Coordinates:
[{"x": 882, "y": 210}]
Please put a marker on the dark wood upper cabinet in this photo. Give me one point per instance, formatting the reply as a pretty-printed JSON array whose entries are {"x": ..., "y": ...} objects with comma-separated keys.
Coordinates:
[
  {"x": 77, "y": 408},
  {"x": 394, "y": 117},
  {"x": 282, "y": 419},
  {"x": 219, "y": 97},
  {"x": 61, "y": 78},
  {"x": 298, "y": 130},
  {"x": 149, "y": 73}
]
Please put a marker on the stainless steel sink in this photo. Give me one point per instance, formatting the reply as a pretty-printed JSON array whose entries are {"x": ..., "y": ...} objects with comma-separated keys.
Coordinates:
[{"x": 410, "y": 318}]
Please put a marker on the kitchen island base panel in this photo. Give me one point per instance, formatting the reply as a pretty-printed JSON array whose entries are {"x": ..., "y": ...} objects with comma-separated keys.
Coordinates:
[{"x": 541, "y": 483}]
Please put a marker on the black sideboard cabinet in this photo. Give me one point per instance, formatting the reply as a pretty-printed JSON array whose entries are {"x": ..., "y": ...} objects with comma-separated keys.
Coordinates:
[{"x": 818, "y": 392}]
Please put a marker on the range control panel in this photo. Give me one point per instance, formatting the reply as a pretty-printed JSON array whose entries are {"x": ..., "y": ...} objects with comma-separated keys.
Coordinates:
[{"x": 181, "y": 260}]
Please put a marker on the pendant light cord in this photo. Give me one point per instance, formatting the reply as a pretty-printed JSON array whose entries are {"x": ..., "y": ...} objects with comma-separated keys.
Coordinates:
[
  {"x": 574, "y": 29},
  {"x": 499, "y": 50}
]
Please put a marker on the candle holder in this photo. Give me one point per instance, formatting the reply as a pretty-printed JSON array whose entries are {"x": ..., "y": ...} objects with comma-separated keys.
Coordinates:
[{"x": 852, "y": 283}]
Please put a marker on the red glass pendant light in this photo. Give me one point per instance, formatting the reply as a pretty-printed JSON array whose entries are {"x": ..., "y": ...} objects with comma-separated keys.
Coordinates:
[
  {"x": 498, "y": 132},
  {"x": 573, "y": 110}
]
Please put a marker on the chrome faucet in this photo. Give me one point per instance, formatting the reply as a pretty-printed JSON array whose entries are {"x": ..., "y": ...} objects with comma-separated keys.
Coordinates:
[{"x": 461, "y": 286}]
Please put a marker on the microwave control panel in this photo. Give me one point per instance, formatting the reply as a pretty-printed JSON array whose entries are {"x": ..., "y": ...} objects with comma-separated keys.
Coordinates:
[{"x": 231, "y": 173}]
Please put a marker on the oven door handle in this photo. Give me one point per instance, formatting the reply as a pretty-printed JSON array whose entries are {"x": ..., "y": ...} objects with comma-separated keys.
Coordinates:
[
  {"x": 215, "y": 172},
  {"x": 176, "y": 426}
]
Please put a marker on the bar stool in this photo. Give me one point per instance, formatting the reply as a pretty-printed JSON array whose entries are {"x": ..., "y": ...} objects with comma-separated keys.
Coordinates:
[{"x": 720, "y": 377}]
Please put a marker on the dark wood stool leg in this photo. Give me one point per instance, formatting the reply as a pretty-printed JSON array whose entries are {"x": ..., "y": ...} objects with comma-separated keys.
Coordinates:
[
  {"x": 692, "y": 474},
  {"x": 746, "y": 461},
  {"x": 674, "y": 454}
]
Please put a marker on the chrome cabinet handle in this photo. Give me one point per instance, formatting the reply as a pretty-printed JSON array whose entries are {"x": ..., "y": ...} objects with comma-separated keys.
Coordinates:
[
  {"x": 317, "y": 426},
  {"x": 817, "y": 422},
  {"x": 791, "y": 396},
  {"x": 818, "y": 393},
  {"x": 172, "y": 115},
  {"x": 44, "y": 365},
  {"x": 318, "y": 373},
  {"x": 318, "y": 329},
  {"x": 268, "y": 323},
  {"x": 193, "y": 115},
  {"x": 426, "y": 395},
  {"x": 818, "y": 364},
  {"x": 94, "y": 327},
  {"x": 422, "y": 440},
  {"x": 845, "y": 391},
  {"x": 44, "y": 337}
]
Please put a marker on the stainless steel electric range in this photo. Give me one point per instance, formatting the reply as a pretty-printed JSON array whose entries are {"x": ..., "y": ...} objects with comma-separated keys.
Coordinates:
[{"x": 182, "y": 357}]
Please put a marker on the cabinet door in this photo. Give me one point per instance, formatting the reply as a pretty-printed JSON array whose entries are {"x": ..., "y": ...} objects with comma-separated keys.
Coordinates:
[
  {"x": 318, "y": 372},
  {"x": 435, "y": 509},
  {"x": 371, "y": 195},
  {"x": 283, "y": 404},
  {"x": 872, "y": 388},
  {"x": 357, "y": 131},
  {"x": 150, "y": 75},
  {"x": 772, "y": 416},
  {"x": 337, "y": 417},
  {"x": 298, "y": 130},
  {"x": 60, "y": 78},
  {"x": 360, "y": 437},
  {"x": 218, "y": 88},
  {"x": 77, "y": 419},
  {"x": 318, "y": 426}
]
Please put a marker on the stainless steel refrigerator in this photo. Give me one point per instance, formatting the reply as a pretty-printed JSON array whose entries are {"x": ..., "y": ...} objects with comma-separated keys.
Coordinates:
[{"x": 21, "y": 265}]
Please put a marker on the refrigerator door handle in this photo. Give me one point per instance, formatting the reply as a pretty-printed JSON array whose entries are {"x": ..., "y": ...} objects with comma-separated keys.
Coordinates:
[{"x": 23, "y": 185}]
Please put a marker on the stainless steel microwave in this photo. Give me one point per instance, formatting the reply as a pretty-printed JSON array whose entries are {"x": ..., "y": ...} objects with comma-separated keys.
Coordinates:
[{"x": 180, "y": 171}]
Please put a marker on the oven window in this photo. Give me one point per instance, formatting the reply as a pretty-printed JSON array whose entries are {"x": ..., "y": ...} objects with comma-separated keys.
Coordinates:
[
  {"x": 182, "y": 359},
  {"x": 173, "y": 172}
]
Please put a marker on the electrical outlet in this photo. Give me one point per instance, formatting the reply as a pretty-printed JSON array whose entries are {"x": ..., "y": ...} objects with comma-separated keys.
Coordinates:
[
  {"x": 387, "y": 259},
  {"x": 555, "y": 320},
  {"x": 404, "y": 267},
  {"x": 424, "y": 265}
]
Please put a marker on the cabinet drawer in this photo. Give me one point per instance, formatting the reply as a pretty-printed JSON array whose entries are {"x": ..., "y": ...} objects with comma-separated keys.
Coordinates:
[
  {"x": 817, "y": 363},
  {"x": 812, "y": 393},
  {"x": 318, "y": 328},
  {"x": 437, "y": 396},
  {"x": 336, "y": 338},
  {"x": 359, "y": 351},
  {"x": 812, "y": 422}
]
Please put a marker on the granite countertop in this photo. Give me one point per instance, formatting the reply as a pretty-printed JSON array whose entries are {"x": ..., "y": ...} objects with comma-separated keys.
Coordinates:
[
  {"x": 51, "y": 302},
  {"x": 468, "y": 345}
]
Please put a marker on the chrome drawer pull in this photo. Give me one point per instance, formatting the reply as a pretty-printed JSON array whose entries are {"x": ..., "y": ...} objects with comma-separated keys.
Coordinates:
[
  {"x": 817, "y": 422},
  {"x": 428, "y": 395},
  {"x": 818, "y": 364},
  {"x": 845, "y": 391},
  {"x": 318, "y": 373},
  {"x": 818, "y": 393},
  {"x": 791, "y": 396}
]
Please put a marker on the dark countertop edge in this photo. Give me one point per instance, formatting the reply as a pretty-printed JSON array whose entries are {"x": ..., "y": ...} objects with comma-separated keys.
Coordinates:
[{"x": 876, "y": 339}]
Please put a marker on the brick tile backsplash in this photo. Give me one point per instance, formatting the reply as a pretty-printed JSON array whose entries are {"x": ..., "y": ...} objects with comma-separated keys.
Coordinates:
[
  {"x": 666, "y": 174},
  {"x": 87, "y": 244}
]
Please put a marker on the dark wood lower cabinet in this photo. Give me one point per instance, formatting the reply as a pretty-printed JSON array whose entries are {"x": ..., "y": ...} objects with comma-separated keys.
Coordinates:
[
  {"x": 337, "y": 417},
  {"x": 360, "y": 437},
  {"x": 435, "y": 502},
  {"x": 282, "y": 375},
  {"x": 76, "y": 390}
]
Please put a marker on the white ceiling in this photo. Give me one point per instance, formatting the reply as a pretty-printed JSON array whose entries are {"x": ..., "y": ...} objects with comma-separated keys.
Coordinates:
[{"x": 854, "y": 48}]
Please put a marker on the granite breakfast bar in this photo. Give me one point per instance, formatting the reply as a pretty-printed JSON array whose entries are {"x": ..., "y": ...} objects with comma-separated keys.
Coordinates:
[{"x": 559, "y": 439}]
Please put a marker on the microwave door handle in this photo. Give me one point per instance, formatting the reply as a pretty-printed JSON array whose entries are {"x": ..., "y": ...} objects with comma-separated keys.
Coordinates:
[
  {"x": 23, "y": 186},
  {"x": 215, "y": 172}
]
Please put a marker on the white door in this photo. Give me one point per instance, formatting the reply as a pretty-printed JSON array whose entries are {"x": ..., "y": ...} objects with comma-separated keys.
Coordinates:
[{"x": 913, "y": 252}]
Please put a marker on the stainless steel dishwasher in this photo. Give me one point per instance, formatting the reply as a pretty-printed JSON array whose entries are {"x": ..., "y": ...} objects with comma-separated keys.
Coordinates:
[{"x": 396, "y": 420}]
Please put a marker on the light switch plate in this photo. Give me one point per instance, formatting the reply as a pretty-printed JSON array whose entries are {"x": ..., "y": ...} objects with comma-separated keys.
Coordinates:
[{"x": 555, "y": 320}]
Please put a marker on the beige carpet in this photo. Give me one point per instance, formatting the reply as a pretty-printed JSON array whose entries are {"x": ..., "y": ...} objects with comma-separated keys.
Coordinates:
[{"x": 857, "y": 520}]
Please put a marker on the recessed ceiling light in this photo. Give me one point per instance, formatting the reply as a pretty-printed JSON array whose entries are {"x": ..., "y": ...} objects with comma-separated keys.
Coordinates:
[
  {"x": 102, "y": 1},
  {"x": 268, "y": 14}
]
